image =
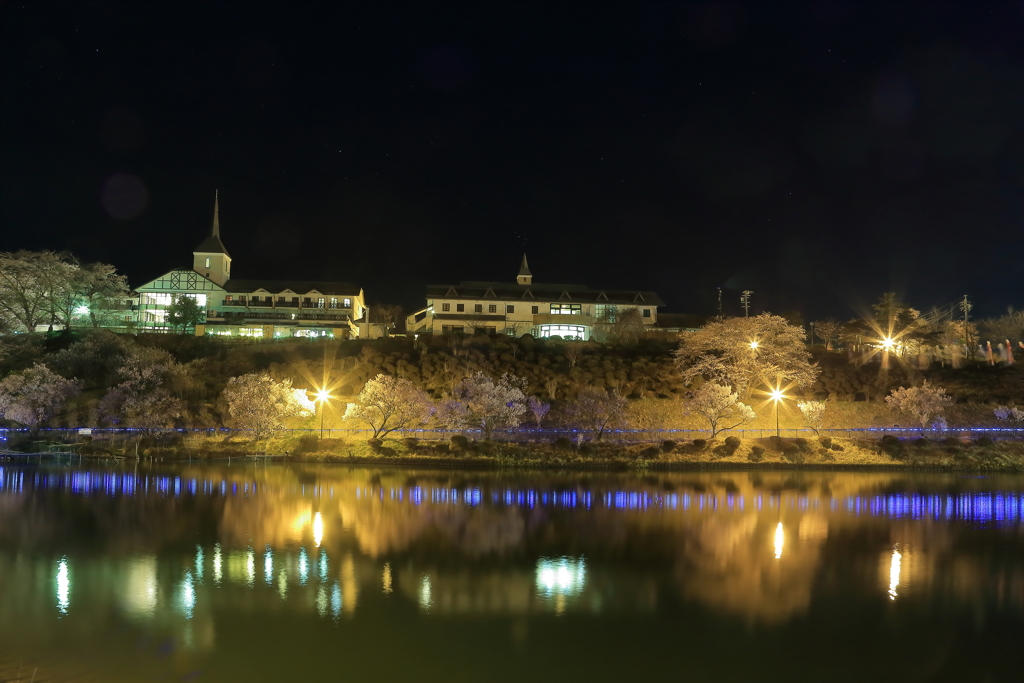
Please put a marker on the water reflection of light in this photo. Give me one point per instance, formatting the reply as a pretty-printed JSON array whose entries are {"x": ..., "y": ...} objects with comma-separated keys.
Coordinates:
[
  {"x": 318, "y": 529},
  {"x": 282, "y": 583},
  {"x": 140, "y": 587},
  {"x": 188, "y": 594},
  {"x": 386, "y": 578},
  {"x": 321, "y": 600},
  {"x": 894, "y": 572},
  {"x": 303, "y": 566},
  {"x": 560, "y": 576},
  {"x": 200, "y": 559},
  {"x": 780, "y": 537},
  {"x": 336, "y": 600},
  {"x": 250, "y": 567},
  {"x": 218, "y": 564},
  {"x": 268, "y": 566},
  {"x": 323, "y": 565},
  {"x": 63, "y": 586},
  {"x": 426, "y": 598}
]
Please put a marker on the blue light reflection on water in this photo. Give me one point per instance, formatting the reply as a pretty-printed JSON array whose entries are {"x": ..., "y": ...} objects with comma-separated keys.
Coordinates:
[{"x": 979, "y": 507}]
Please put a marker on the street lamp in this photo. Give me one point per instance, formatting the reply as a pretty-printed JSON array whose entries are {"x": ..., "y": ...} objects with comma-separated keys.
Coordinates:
[
  {"x": 322, "y": 395},
  {"x": 753, "y": 345},
  {"x": 777, "y": 395}
]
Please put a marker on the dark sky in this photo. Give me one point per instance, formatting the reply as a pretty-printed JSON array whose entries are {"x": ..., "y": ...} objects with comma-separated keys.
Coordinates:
[{"x": 818, "y": 153}]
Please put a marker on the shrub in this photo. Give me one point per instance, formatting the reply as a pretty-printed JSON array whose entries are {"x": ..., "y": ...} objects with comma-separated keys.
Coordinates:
[
  {"x": 775, "y": 442},
  {"x": 668, "y": 446},
  {"x": 793, "y": 454},
  {"x": 588, "y": 450},
  {"x": 825, "y": 441},
  {"x": 410, "y": 442},
  {"x": 756, "y": 454},
  {"x": 951, "y": 441},
  {"x": 722, "y": 451},
  {"x": 308, "y": 443},
  {"x": 983, "y": 441},
  {"x": 458, "y": 443},
  {"x": 836, "y": 446},
  {"x": 920, "y": 443},
  {"x": 650, "y": 453},
  {"x": 375, "y": 445},
  {"x": 892, "y": 446},
  {"x": 700, "y": 444},
  {"x": 732, "y": 443},
  {"x": 801, "y": 443},
  {"x": 563, "y": 443}
]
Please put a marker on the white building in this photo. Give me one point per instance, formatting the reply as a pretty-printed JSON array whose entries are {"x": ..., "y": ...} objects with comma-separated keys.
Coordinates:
[
  {"x": 250, "y": 308},
  {"x": 542, "y": 310}
]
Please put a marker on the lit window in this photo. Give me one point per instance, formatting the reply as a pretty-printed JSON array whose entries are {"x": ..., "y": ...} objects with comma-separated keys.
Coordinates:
[
  {"x": 563, "y": 331},
  {"x": 478, "y": 308},
  {"x": 227, "y": 299},
  {"x": 446, "y": 307},
  {"x": 510, "y": 331},
  {"x": 334, "y": 302},
  {"x": 566, "y": 309},
  {"x": 509, "y": 308},
  {"x": 207, "y": 261},
  {"x": 460, "y": 307},
  {"x": 492, "y": 308},
  {"x": 606, "y": 313},
  {"x": 346, "y": 303},
  {"x": 320, "y": 302}
]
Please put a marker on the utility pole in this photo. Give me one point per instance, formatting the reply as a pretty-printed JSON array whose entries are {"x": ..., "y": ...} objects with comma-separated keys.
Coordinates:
[
  {"x": 719, "y": 302},
  {"x": 745, "y": 300}
]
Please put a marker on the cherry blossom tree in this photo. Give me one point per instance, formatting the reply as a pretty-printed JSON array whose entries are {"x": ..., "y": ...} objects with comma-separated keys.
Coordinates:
[
  {"x": 814, "y": 414},
  {"x": 141, "y": 400},
  {"x": 720, "y": 407},
  {"x": 538, "y": 409},
  {"x": 260, "y": 404},
  {"x": 744, "y": 352},
  {"x": 597, "y": 410},
  {"x": 923, "y": 403},
  {"x": 33, "y": 396},
  {"x": 388, "y": 403},
  {"x": 478, "y": 402}
]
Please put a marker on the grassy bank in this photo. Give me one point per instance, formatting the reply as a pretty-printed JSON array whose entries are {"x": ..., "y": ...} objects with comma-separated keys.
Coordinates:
[{"x": 981, "y": 454}]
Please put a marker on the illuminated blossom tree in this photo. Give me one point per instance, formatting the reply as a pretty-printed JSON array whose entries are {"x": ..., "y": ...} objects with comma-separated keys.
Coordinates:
[
  {"x": 597, "y": 410},
  {"x": 141, "y": 400},
  {"x": 1009, "y": 414},
  {"x": 744, "y": 352},
  {"x": 923, "y": 403},
  {"x": 814, "y": 414},
  {"x": 538, "y": 409},
  {"x": 260, "y": 404},
  {"x": 388, "y": 403},
  {"x": 720, "y": 407},
  {"x": 828, "y": 331},
  {"x": 478, "y": 402},
  {"x": 33, "y": 396}
]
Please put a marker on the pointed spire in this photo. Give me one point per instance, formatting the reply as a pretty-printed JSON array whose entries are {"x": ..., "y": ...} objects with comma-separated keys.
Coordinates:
[
  {"x": 216, "y": 214},
  {"x": 525, "y": 277},
  {"x": 524, "y": 269}
]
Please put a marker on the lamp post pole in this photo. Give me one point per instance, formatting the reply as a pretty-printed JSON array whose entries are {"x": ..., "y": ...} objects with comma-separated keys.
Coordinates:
[
  {"x": 777, "y": 434},
  {"x": 321, "y": 419}
]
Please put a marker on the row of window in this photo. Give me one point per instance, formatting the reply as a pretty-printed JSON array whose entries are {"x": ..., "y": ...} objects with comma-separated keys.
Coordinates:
[
  {"x": 605, "y": 313},
  {"x": 307, "y": 302}
]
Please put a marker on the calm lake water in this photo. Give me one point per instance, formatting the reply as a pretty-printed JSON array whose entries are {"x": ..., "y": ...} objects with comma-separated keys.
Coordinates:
[{"x": 322, "y": 573}]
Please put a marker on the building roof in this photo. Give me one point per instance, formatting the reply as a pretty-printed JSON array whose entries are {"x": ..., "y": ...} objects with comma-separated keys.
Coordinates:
[
  {"x": 524, "y": 269},
  {"x": 503, "y": 291},
  {"x": 212, "y": 244},
  {"x": 235, "y": 286}
]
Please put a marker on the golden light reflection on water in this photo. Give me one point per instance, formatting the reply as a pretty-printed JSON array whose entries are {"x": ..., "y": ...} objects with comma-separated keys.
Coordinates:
[
  {"x": 318, "y": 529},
  {"x": 894, "y": 572},
  {"x": 63, "y": 586},
  {"x": 780, "y": 538}
]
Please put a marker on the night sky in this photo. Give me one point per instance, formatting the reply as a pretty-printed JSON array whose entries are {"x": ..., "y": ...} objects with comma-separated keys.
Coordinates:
[{"x": 818, "y": 153}]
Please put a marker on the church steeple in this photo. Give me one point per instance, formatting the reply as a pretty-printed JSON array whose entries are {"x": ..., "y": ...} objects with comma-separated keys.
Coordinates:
[
  {"x": 216, "y": 214},
  {"x": 525, "y": 277},
  {"x": 210, "y": 258}
]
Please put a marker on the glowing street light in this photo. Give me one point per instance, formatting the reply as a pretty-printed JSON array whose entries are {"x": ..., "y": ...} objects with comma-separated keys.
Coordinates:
[
  {"x": 753, "y": 345},
  {"x": 777, "y": 395},
  {"x": 888, "y": 343},
  {"x": 322, "y": 395}
]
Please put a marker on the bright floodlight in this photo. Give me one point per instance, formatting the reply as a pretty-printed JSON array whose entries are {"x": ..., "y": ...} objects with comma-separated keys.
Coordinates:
[
  {"x": 888, "y": 343},
  {"x": 322, "y": 395},
  {"x": 753, "y": 344},
  {"x": 777, "y": 395}
]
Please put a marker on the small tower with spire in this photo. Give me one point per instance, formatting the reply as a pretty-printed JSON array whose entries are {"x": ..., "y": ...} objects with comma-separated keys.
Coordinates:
[
  {"x": 525, "y": 277},
  {"x": 210, "y": 259}
]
